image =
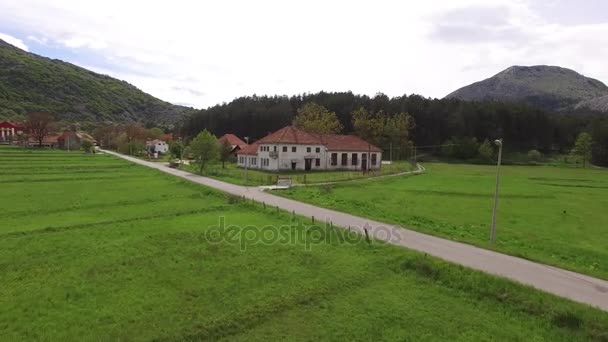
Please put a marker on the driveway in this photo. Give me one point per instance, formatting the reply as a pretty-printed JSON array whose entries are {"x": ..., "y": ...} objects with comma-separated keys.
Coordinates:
[{"x": 577, "y": 287}]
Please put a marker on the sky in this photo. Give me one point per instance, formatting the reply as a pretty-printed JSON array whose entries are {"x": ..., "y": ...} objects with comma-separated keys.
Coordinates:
[{"x": 200, "y": 53}]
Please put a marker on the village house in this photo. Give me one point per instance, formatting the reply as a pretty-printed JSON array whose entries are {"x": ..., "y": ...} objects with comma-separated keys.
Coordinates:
[
  {"x": 51, "y": 140},
  {"x": 10, "y": 130},
  {"x": 156, "y": 147},
  {"x": 291, "y": 148},
  {"x": 235, "y": 142},
  {"x": 73, "y": 140}
]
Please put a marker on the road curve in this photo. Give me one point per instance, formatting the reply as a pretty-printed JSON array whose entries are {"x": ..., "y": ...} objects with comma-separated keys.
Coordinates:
[{"x": 575, "y": 286}]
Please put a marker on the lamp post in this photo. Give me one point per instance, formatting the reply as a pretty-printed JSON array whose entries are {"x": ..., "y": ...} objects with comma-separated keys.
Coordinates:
[
  {"x": 498, "y": 143},
  {"x": 246, "y": 162}
]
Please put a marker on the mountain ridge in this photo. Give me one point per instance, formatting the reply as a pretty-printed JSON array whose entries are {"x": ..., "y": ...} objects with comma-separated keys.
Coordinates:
[
  {"x": 29, "y": 82},
  {"x": 550, "y": 87}
]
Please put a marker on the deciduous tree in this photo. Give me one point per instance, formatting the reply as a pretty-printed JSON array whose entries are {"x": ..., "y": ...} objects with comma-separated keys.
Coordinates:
[
  {"x": 582, "y": 147},
  {"x": 38, "y": 125},
  {"x": 225, "y": 149},
  {"x": 486, "y": 151},
  {"x": 204, "y": 149},
  {"x": 317, "y": 119}
]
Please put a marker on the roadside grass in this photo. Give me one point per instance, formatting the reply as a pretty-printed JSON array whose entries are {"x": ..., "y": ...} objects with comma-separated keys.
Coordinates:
[
  {"x": 233, "y": 174},
  {"x": 138, "y": 258},
  {"x": 553, "y": 215}
]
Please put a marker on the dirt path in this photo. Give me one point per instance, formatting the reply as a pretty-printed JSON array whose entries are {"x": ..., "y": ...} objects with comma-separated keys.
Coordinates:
[{"x": 575, "y": 286}]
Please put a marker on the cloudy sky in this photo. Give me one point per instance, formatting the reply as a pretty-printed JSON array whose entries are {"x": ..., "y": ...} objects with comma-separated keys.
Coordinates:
[{"x": 200, "y": 53}]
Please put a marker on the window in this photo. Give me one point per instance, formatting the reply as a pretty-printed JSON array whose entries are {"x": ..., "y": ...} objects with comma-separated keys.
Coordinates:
[
  {"x": 275, "y": 148},
  {"x": 317, "y": 162},
  {"x": 318, "y": 150},
  {"x": 293, "y": 149},
  {"x": 374, "y": 159},
  {"x": 344, "y": 159},
  {"x": 253, "y": 160},
  {"x": 355, "y": 161},
  {"x": 308, "y": 149},
  {"x": 334, "y": 159},
  {"x": 284, "y": 148}
]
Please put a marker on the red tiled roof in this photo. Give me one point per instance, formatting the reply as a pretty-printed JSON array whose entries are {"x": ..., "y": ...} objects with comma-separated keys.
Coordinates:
[
  {"x": 7, "y": 124},
  {"x": 232, "y": 140},
  {"x": 86, "y": 136},
  {"x": 338, "y": 142},
  {"x": 80, "y": 135},
  {"x": 290, "y": 135},
  {"x": 333, "y": 142},
  {"x": 249, "y": 149}
]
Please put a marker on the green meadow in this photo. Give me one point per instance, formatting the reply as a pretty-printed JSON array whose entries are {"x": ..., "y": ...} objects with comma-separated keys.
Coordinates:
[
  {"x": 93, "y": 248},
  {"x": 555, "y": 215},
  {"x": 231, "y": 173}
]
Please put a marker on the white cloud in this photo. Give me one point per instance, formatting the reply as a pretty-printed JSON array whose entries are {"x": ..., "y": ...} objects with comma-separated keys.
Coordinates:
[
  {"x": 14, "y": 41},
  {"x": 210, "y": 52}
]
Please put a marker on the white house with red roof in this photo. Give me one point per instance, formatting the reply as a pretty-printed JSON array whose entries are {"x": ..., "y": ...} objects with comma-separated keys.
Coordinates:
[
  {"x": 291, "y": 148},
  {"x": 9, "y": 130}
]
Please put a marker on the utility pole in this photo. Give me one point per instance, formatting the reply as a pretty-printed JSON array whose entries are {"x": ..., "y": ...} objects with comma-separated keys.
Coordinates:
[
  {"x": 498, "y": 142},
  {"x": 246, "y": 162}
]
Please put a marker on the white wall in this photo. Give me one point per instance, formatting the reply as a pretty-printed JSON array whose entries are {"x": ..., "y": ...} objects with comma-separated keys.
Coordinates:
[
  {"x": 349, "y": 160},
  {"x": 284, "y": 160}
]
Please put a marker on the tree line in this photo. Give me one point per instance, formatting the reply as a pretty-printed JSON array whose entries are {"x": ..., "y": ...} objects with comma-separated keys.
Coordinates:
[{"x": 432, "y": 121}]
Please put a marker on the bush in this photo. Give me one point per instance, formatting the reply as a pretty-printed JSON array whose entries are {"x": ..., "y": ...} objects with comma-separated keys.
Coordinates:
[
  {"x": 534, "y": 155},
  {"x": 87, "y": 146},
  {"x": 486, "y": 151}
]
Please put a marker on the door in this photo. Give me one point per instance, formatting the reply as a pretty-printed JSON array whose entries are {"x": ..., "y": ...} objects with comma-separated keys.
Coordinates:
[
  {"x": 307, "y": 164},
  {"x": 364, "y": 162},
  {"x": 293, "y": 165}
]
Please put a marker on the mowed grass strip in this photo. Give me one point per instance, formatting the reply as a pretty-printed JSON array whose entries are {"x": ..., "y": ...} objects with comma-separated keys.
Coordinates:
[
  {"x": 112, "y": 268},
  {"x": 554, "y": 215}
]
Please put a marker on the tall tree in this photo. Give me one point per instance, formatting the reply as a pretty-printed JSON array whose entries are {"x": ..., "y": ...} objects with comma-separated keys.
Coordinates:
[
  {"x": 582, "y": 147},
  {"x": 225, "y": 149},
  {"x": 38, "y": 125},
  {"x": 135, "y": 134},
  {"x": 315, "y": 118},
  {"x": 204, "y": 148}
]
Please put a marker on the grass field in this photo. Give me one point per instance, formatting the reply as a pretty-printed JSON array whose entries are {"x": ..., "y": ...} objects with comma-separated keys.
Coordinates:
[
  {"x": 555, "y": 215},
  {"x": 93, "y": 248},
  {"x": 233, "y": 174}
]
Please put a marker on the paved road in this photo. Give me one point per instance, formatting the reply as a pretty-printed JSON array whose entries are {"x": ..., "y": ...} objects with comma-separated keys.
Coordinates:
[{"x": 575, "y": 286}]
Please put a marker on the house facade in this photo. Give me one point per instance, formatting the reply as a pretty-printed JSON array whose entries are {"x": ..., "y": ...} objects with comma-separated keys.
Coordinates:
[
  {"x": 291, "y": 148},
  {"x": 10, "y": 130},
  {"x": 157, "y": 146},
  {"x": 73, "y": 140}
]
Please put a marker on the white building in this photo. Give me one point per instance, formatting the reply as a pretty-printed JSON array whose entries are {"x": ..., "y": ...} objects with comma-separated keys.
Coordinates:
[
  {"x": 157, "y": 146},
  {"x": 291, "y": 148}
]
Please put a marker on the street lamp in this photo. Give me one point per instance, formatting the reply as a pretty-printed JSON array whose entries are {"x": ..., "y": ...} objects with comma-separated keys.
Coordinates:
[
  {"x": 246, "y": 161},
  {"x": 498, "y": 143}
]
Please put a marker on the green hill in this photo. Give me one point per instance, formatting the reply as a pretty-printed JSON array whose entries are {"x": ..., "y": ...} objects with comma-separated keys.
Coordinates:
[
  {"x": 549, "y": 87},
  {"x": 29, "y": 82}
]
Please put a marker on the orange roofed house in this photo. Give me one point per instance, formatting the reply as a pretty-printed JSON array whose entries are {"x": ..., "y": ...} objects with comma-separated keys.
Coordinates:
[
  {"x": 291, "y": 148},
  {"x": 234, "y": 141}
]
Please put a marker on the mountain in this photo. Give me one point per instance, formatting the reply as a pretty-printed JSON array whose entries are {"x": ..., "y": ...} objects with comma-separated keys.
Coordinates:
[
  {"x": 599, "y": 104},
  {"x": 549, "y": 87},
  {"x": 29, "y": 82}
]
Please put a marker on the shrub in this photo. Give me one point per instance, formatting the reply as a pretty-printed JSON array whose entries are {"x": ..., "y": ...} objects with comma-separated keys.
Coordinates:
[
  {"x": 534, "y": 155},
  {"x": 87, "y": 146},
  {"x": 486, "y": 151}
]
